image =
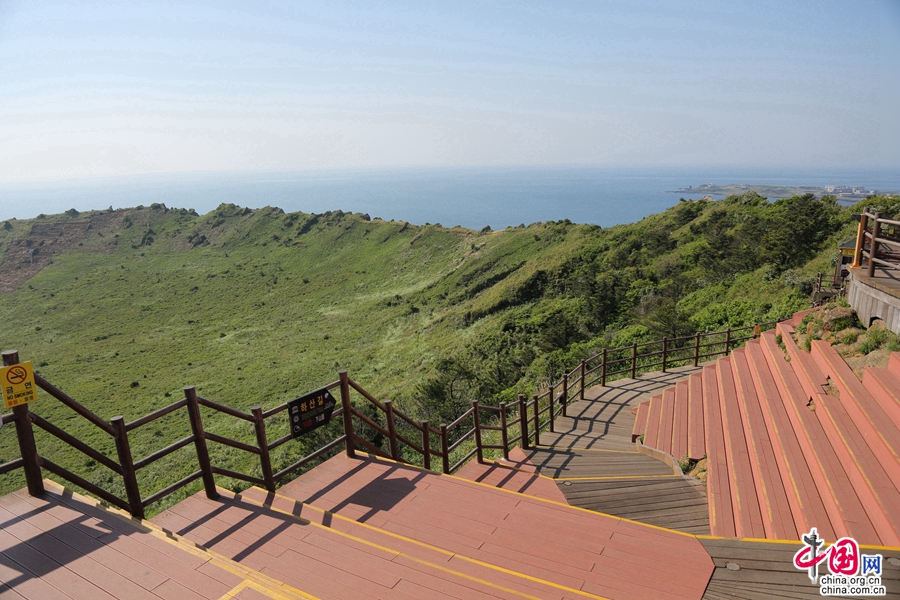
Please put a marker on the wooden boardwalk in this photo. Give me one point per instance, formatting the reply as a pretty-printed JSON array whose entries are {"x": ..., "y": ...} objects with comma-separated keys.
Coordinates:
[
  {"x": 593, "y": 461},
  {"x": 64, "y": 546},
  {"x": 371, "y": 528}
]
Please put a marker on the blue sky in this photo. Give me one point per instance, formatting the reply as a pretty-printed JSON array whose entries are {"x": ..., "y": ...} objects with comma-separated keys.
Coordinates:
[{"x": 118, "y": 88}]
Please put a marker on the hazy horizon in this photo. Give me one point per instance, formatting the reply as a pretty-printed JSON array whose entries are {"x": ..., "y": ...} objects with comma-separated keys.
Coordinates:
[{"x": 96, "y": 93}]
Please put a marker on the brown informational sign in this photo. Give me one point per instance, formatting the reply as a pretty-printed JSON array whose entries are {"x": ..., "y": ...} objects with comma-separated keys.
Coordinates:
[
  {"x": 18, "y": 385},
  {"x": 310, "y": 412}
]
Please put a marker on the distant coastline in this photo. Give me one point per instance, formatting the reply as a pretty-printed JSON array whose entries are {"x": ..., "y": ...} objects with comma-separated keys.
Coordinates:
[{"x": 844, "y": 193}]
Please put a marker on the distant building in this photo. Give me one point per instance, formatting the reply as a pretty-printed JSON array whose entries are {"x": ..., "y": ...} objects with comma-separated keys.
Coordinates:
[{"x": 845, "y": 189}]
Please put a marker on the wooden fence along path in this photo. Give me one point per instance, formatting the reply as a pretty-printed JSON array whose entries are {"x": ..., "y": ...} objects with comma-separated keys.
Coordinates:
[
  {"x": 590, "y": 455},
  {"x": 369, "y": 523},
  {"x": 521, "y": 423}
]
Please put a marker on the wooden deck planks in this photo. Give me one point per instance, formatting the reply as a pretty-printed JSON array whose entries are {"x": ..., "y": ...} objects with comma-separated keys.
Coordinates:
[
  {"x": 744, "y": 501},
  {"x": 775, "y": 507},
  {"x": 876, "y": 426},
  {"x": 666, "y": 422},
  {"x": 696, "y": 426},
  {"x": 767, "y": 570},
  {"x": 652, "y": 437},
  {"x": 58, "y": 546},
  {"x": 680, "y": 422},
  {"x": 640, "y": 421},
  {"x": 807, "y": 504},
  {"x": 532, "y": 526},
  {"x": 718, "y": 481},
  {"x": 878, "y": 495},
  {"x": 663, "y": 502},
  {"x": 885, "y": 388}
]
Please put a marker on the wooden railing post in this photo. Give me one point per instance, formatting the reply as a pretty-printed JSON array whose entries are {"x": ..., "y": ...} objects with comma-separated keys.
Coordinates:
[
  {"x": 860, "y": 240},
  {"x": 426, "y": 445},
  {"x": 523, "y": 422},
  {"x": 392, "y": 429},
  {"x": 603, "y": 370},
  {"x": 123, "y": 450},
  {"x": 727, "y": 340},
  {"x": 265, "y": 461},
  {"x": 504, "y": 436},
  {"x": 697, "y": 349},
  {"x": 537, "y": 422},
  {"x": 876, "y": 225},
  {"x": 476, "y": 419},
  {"x": 445, "y": 450},
  {"x": 583, "y": 370},
  {"x": 25, "y": 434},
  {"x": 347, "y": 415},
  {"x": 551, "y": 400},
  {"x": 665, "y": 349},
  {"x": 633, "y": 359},
  {"x": 209, "y": 482},
  {"x": 565, "y": 393}
]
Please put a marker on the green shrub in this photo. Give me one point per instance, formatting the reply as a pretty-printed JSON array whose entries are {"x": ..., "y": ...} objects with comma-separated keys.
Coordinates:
[{"x": 850, "y": 337}]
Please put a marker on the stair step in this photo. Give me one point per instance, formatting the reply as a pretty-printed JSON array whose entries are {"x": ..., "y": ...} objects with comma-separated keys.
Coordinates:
[
  {"x": 775, "y": 507},
  {"x": 808, "y": 373},
  {"x": 69, "y": 545},
  {"x": 894, "y": 363},
  {"x": 879, "y": 431},
  {"x": 666, "y": 419},
  {"x": 517, "y": 475},
  {"x": 696, "y": 432},
  {"x": 792, "y": 469},
  {"x": 680, "y": 422},
  {"x": 878, "y": 495},
  {"x": 815, "y": 471},
  {"x": 744, "y": 500},
  {"x": 885, "y": 388},
  {"x": 718, "y": 482},
  {"x": 526, "y": 544},
  {"x": 651, "y": 436},
  {"x": 640, "y": 422}
]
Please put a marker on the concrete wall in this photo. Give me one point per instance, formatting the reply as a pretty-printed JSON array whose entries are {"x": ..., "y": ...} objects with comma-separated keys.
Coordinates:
[{"x": 871, "y": 303}]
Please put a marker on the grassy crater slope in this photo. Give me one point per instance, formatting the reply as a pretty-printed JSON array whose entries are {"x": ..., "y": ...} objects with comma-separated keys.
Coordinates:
[{"x": 121, "y": 309}]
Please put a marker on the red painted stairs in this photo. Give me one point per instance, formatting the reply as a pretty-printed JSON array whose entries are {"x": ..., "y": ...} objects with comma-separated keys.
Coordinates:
[{"x": 784, "y": 454}]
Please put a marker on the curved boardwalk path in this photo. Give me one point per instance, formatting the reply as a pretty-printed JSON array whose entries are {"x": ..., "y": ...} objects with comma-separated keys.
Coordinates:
[{"x": 594, "y": 462}]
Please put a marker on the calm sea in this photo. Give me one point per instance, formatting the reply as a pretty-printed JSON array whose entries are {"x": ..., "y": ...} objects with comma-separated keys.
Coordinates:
[{"x": 469, "y": 196}]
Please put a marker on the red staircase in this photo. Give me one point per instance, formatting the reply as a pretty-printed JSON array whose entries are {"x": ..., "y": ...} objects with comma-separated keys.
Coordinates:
[
  {"x": 369, "y": 527},
  {"x": 784, "y": 454}
]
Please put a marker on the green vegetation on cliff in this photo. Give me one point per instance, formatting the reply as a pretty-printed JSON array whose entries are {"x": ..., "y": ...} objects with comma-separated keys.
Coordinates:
[{"x": 256, "y": 306}]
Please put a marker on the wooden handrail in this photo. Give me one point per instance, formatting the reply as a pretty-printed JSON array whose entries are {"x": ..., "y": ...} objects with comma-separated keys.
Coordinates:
[
  {"x": 72, "y": 403},
  {"x": 76, "y": 443},
  {"x": 156, "y": 415}
]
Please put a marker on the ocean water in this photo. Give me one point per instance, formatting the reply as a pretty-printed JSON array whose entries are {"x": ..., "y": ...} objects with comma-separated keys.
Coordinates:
[{"x": 469, "y": 196}]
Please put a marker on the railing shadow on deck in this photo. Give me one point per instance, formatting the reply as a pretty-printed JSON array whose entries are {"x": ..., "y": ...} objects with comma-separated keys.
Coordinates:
[{"x": 408, "y": 441}]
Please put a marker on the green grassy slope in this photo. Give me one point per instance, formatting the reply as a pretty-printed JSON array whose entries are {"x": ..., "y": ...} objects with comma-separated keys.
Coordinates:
[{"x": 256, "y": 306}]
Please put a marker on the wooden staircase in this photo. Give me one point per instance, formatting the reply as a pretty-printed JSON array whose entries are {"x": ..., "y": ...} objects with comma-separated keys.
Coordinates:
[
  {"x": 373, "y": 528},
  {"x": 793, "y": 440}
]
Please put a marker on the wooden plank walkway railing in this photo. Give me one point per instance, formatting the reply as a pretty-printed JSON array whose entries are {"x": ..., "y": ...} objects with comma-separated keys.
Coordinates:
[
  {"x": 879, "y": 243},
  {"x": 408, "y": 440}
]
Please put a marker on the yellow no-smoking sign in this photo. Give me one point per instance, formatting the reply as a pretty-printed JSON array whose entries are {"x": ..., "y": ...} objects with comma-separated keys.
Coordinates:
[{"x": 18, "y": 386}]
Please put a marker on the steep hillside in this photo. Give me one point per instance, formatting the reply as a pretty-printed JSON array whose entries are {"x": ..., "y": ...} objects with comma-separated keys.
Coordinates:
[{"x": 124, "y": 308}]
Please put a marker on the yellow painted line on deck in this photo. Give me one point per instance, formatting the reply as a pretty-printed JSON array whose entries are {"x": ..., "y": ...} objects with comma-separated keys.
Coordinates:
[
  {"x": 535, "y": 498},
  {"x": 245, "y": 584},
  {"x": 797, "y": 543},
  {"x": 574, "y": 448},
  {"x": 585, "y": 478},
  {"x": 538, "y": 498},
  {"x": 614, "y": 477},
  {"x": 263, "y": 583},
  {"x": 409, "y": 540}
]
